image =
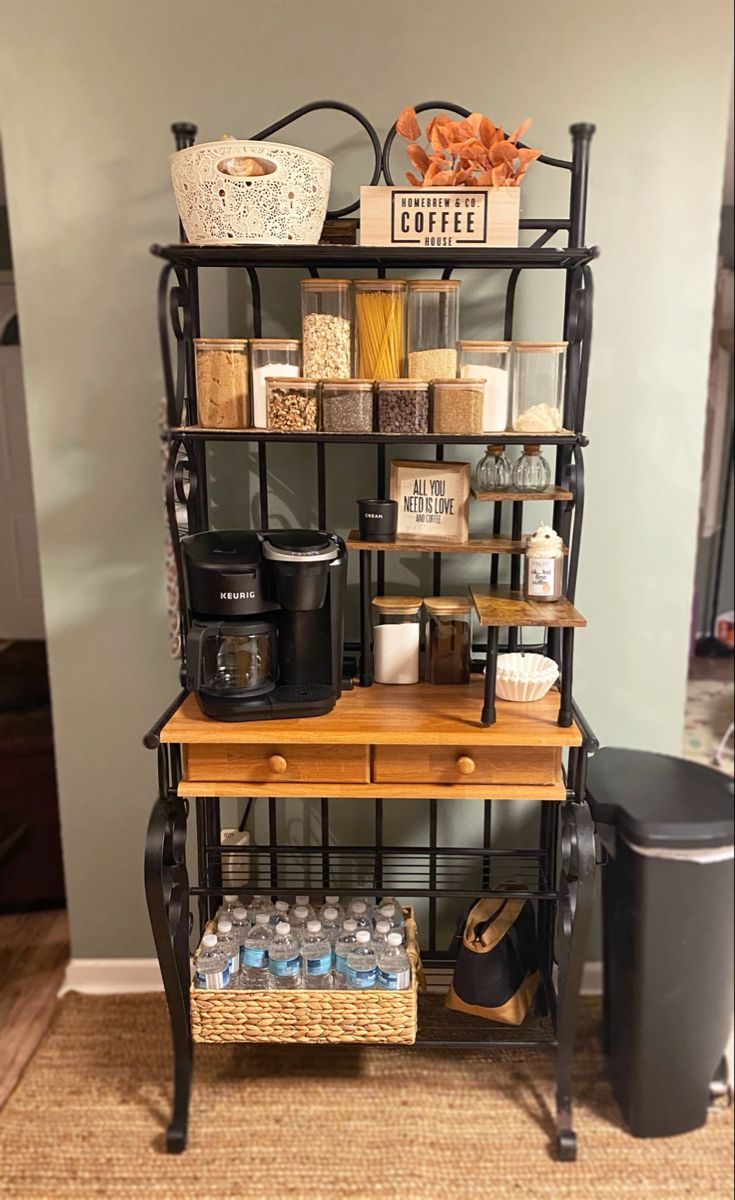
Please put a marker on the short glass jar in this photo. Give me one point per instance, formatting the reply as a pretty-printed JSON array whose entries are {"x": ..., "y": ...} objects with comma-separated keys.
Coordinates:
[
  {"x": 537, "y": 373},
  {"x": 402, "y": 406},
  {"x": 457, "y": 406},
  {"x": 380, "y": 327},
  {"x": 448, "y": 649},
  {"x": 396, "y": 639},
  {"x": 493, "y": 472},
  {"x": 222, "y": 383},
  {"x": 270, "y": 357},
  {"x": 347, "y": 406},
  {"x": 433, "y": 328},
  {"x": 490, "y": 362},
  {"x": 326, "y": 321},
  {"x": 531, "y": 471},
  {"x": 544, "y": 565},
  {"x": 292, "y": 405}
]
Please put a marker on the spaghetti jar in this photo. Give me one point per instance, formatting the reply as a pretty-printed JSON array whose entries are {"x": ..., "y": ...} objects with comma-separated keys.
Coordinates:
[
  {"x": 347, "y": 406},
  {"x": 270, "y": 357},
  {"x": 380, "y": 323},
  {"x": 490, "y": 362},
  {"x": 433, "y": 328},
  {"x": 448, "y": 639},
  {"x": 326, "y": 316},
  {"x": 396, "y": 638},
  {"x": 537, "y": 370},
  {"x": 292, "y": 405},
  {"x": 457, "y": 405},
  {"x": 542, "y": 576},
  {"x": 402, "y": 406},
  {"x": 222, "y": 382}
]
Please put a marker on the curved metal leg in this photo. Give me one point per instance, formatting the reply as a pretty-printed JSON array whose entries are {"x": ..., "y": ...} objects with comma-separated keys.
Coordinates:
[
  {"x": 167, "y": 895},
  {"x": 576, "y": 893}
]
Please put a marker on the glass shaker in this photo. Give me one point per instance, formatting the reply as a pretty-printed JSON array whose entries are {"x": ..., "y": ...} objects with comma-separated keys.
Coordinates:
[
  {"x": 543, "y": 571},
  {"x": 433, "y": 328},
  {"x": 531, "y": 472},
  {"x": 490, "y": 362},
  {"x": 448, "y": 639},
  {"x": 326, "y": 317},
  {"x": 396, "y": 639},
  {"x": 493, "y": 471},
  {"x": 537, "y": 370}
]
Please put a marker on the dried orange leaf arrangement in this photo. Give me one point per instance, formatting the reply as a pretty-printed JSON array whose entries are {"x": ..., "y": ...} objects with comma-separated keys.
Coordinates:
[{"x": 468, "y": 152}]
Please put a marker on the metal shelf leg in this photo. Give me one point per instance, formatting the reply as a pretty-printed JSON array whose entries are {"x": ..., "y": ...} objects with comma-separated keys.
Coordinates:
[{"x": 491, "y": 671}]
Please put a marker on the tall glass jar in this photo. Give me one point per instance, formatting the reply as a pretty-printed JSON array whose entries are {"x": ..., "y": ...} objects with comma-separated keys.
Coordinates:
[
  {"x": 490, "y": 362},
  {"x": 326, "y": 317},
  {"x": 222, "y": 382},
  {"x": 543, "y": 574},
  {"x": 457, "y": 406},
  {"x": 402, "y": 406},
  {"x": 448, "y": 639},
  {"x": 537, "y": 372},
  {"x": 347, "y": 406},
  {"x": 380, "y": 328},
  {"x": 396, "y": 639},
  {"x": 433, "y": 328},
  {"x": 270, "y": 357}
]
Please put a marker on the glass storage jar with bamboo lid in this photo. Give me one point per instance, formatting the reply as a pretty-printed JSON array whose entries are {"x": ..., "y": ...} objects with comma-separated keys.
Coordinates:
[
  {"x": 490, "y": 362},
  {"x": 433, "y": 328},
  {"x": 402, "y": 405},
  {"x": 457, "y": 405},
  {"x": 537, "y": 374},
  {"x": 448, "y": 651},
  {"x": 347, "y": 405},
  {"x": 222, "y": 382},
  {"x": 270, "y": 357},
  {"x": 396, "y": 639},
  {"x": 380, "y": 327},
  {"x": 292, "y": 404},
  {"x": 326, "y": 327}
]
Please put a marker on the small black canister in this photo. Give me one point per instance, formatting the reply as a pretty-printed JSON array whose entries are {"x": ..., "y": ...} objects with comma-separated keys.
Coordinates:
[{"x": 378, "y": 520}]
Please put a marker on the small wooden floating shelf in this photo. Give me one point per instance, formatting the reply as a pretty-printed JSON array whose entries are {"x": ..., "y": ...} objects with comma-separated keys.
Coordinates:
[
  {"x": 500, "y": 606},
  {"x": 426, "y": 545},
  {"x": 554, "y": 494}
]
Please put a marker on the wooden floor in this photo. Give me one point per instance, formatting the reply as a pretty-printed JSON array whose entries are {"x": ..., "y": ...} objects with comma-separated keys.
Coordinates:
[{"x": 35, "y": 949}]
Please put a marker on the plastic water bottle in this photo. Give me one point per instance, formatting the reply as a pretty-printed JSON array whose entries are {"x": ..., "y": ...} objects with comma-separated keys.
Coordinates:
[
  {"x": 240, "y": 927},
  {"x": 316, "y": 950},
  {"x": 212, "y": 970},
  {"x": 392, "y": 913},
  {"x": 230, "y": 946},
  {"x": 228, "y": 906},
  {"x": 360, "y": 913},
  {"x": 255, "y": 953},
  {"x": 332, "y": 902},
  {"x": 331, "y": 923},
  {"x": 280, "y": 912},
  {"x": 362, "y": 963},
  {"x": 394, "y": 967},
  {"x": 259, "y": 904},
  {"x": 342, "y": 947},
  {"x": 299, "y": 919},
  {"x": 284, "y": 958},
  {"x": 380, "y": 934},
  {"x": 303, "y": 902}
]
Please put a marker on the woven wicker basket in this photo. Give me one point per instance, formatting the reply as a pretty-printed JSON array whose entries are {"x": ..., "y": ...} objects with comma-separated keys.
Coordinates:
[{"x": 310, "y": 1016}]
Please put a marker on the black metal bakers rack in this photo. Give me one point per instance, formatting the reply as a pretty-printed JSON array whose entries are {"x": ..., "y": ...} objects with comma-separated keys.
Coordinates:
[{"x": 557, "y": 872}]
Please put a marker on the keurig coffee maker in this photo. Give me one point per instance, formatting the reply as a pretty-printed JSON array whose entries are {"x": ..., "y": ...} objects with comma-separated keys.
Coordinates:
[{"x": 266, "y": 615}]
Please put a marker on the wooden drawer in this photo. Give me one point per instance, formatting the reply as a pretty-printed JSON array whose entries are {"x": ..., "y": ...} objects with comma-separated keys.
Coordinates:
[
  {"x": 466, "y": 764},
  {"x": 277, "y": 762}
]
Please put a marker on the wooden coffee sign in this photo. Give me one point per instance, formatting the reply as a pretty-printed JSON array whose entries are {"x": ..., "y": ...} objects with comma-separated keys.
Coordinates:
[
  {"x": 433, "y": 499},
  {"x": 436, "y": 217}
]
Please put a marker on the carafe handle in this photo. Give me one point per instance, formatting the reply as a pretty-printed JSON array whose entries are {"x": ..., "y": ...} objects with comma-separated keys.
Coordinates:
[{"x": 195, "y": 640}]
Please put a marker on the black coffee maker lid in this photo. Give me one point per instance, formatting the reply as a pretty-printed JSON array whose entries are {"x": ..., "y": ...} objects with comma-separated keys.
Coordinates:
[
  {"x": 292, "y": 545},
  {"x": 225, "y": 551}
]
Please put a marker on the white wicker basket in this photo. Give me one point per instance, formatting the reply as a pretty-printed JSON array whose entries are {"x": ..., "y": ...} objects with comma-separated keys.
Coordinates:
[{"x": 288, "y": 204}]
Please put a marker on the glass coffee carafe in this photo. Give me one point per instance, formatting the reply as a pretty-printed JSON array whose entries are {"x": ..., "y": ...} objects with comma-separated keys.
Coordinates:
[{"x": 233, "y": 659}]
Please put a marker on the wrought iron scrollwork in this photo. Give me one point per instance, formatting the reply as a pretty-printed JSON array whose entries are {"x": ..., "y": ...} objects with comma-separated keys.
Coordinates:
[{"x": 175, "y": 316}]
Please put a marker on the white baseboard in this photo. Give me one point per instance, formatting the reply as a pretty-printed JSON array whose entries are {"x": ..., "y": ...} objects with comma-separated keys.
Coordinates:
[{"x": 115, "y": 976}]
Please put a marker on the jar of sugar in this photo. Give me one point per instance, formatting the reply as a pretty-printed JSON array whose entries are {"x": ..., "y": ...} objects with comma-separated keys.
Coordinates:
[
  {"x": 271, "y": 357},
  {"x": 396, "y": 638},
  {"x": 490, "y": 362}
]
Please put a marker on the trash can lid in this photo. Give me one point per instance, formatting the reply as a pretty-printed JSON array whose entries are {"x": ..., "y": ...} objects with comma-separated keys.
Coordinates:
[{"x": 659, "y": 801}]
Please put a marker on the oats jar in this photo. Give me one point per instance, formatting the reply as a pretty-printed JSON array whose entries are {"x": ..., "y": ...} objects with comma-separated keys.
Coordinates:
[
  {"x": 270, "y": 357},
  {"x": 326, "y": 326},
  {"x": 457, "y": 405},
  {"x": 380, "y": 327},
  {"x": 347, "y": 406},
  {"x": 490, "y": 362},
  {"x": 292, "y": 405},
  {"x": 222, "y": 382},
  {"x": 537, "y": 383},
  {"x": 433, "y": 328}
]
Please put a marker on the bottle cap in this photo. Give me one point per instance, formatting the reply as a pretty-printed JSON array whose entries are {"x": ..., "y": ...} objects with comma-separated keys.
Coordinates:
[
  {"x": 387, "y": 910},
  {"x": 209, "y": 939},
  {"x": 282, "y": 905},
  {"x": 302, "y": 900},
  {"x": 232, "y": 899},
  {"x": 363, "y": 936},
  {"x": 262, "y": 919},
  {"x": 240, "y": 913},
  {"x": 350, "y": 926},
  {"x": 314, "y": 926},
  {"x": 358, "y": 906},
  {"x": 283, "y": 927},
  {"x": 331, "y": 899},
  {"x": 382, "y": 926},
  {"x": 224, "y": 926},
  {"x": 301, "y": 912},
  {"x": 330, "y": 914},
  {"x": 394, "y": 939}
]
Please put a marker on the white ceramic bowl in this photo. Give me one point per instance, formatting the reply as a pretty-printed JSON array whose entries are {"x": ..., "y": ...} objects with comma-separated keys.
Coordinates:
[{"x": 525, "y": 677}]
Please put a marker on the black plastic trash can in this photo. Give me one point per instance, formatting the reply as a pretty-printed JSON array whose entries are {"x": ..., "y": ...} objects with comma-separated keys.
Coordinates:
[{"x": 667, "y": 825}]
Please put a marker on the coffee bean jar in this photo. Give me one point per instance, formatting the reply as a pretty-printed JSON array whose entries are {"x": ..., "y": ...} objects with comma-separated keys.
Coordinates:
[{"x": 402, "y": 406}]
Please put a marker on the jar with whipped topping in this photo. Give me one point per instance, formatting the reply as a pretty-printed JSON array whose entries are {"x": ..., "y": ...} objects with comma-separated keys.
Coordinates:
[{"x": 544, "y": 559}]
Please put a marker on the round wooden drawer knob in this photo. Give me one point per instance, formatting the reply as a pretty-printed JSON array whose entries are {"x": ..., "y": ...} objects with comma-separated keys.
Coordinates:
[
  {"x": 277, "y": 764},
  {"x": 465, "y": 764}
]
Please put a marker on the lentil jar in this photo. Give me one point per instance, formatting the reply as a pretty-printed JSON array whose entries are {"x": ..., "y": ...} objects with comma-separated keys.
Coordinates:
[
  {"x": 457, "y": 405},
  {"x": 347, "y": 405},
  {"x": 292, "y": 405},
  {"x": 402, "y": 406}
]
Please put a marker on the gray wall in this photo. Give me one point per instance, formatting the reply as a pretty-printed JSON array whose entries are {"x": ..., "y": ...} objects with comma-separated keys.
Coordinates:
[{"x": 87, "y": 92}]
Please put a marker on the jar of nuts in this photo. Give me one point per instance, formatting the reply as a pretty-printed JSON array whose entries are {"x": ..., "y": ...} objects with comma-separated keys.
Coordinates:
[
  {"x": 433, "y": 328},
  {"x": 347, "y": 406},
  {"x": 326, "y": 316},
  {"x": 292, "y": 405},
  {"x": 457, "y": 405},
  {"x": 222, "y": 382},
  {"x": 402, "y": 406}
]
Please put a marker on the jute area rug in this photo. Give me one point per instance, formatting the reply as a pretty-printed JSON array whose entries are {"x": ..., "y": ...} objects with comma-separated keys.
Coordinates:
[{"x": 324, "y": 1123}]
